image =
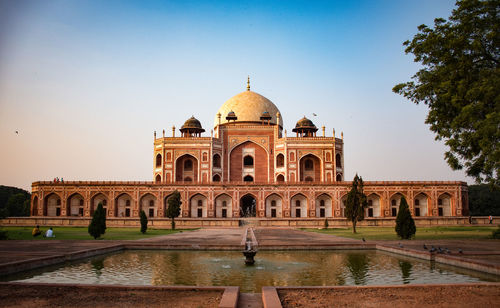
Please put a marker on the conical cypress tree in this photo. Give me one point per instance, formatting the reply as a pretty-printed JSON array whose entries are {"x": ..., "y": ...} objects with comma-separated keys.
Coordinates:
[
  {"x": 144, "y": 222},
  {"x": 356, "y": 202},
  {"x": 405, "y": 225},
  {"x": 97, "y": 226},
  {"x": 174, "y": 207}
]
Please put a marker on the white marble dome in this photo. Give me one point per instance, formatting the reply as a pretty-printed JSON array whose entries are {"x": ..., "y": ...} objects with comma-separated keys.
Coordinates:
[{"x": 248, "y": 106}]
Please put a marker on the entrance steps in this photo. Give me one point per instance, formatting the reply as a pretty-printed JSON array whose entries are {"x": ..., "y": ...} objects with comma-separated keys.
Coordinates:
[
  {"x": 249, "y": 222},
  {"x": 250, "y": 300}
]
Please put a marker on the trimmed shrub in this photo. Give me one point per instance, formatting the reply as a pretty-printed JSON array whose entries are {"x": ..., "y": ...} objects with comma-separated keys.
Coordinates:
[
  {"x": 97, "y": 226},
  {"x": 144, "y": 222},
  {"x": 405, "y": 225}
]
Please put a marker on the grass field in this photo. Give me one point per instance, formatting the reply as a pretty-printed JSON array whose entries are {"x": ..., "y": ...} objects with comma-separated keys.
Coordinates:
[
  {"x": 423, "y": 233},
  {"x": 81, "y": 233}
]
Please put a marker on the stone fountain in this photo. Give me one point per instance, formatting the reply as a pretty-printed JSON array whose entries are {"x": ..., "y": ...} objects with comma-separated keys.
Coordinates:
[{"x": 249, "y": 253}]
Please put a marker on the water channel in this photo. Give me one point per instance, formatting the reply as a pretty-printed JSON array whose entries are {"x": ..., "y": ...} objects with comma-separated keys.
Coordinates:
[{"x": 272, "y": 268}]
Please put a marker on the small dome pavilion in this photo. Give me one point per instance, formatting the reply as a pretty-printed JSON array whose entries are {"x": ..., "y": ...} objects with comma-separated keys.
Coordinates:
[
  {"x": 192, "y": 128},
  {"x": 305, "y": 128}
]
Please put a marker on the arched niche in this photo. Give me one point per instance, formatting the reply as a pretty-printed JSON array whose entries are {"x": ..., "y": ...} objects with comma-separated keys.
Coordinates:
[
  {"x": 298, "y": 206},
  {"x": 324, "y": 206},
  {"x": 223, "y": 206},
  {"x": 274, "y": 206}
]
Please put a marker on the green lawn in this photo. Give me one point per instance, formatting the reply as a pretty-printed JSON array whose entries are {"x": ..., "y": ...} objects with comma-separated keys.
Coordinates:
[
  {"x": 423, "y": 233},
  {"x": 80, "y": 233}
]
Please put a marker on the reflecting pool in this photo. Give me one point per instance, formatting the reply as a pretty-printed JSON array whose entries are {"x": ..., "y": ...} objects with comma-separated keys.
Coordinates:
[{"x": 272, "y": 268}]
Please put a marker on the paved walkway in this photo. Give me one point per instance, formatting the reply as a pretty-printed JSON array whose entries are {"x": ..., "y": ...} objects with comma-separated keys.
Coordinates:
[
  {"x": 294, "y": 238},
  {"x": 200, "y": 237}
]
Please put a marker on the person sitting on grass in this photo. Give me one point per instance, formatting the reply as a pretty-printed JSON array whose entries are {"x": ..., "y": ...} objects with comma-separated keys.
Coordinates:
[
  {"x": 50, "y": 233},
  {"x": 36, "y": 231}
]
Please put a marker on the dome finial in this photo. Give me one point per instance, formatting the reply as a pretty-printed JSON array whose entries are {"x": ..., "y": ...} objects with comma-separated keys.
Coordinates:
[{"x": 248, "y": 83}]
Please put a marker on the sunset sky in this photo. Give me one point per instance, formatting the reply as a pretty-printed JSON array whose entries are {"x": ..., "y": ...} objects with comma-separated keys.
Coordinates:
[{"x": 85, "y": 83}]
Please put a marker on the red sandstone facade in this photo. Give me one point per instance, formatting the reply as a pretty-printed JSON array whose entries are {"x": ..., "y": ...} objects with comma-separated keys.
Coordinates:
[{"x": 248, "y": 167}]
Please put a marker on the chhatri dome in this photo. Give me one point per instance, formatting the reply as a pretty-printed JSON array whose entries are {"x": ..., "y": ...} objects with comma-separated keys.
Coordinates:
[{"x": 247, "y": 106}]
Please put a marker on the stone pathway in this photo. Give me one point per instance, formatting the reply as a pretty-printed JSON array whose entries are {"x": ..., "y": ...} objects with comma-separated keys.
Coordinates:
[
  {"x": 201, "y": 237},
  {"x": 294, "y": 238}
]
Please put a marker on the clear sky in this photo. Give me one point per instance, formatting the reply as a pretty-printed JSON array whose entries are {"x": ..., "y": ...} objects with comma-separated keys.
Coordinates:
[{"x": 85, "y": 83}]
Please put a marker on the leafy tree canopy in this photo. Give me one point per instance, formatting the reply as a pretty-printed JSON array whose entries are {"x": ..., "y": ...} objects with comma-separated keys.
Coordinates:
[
  {"x": 483, "y": 200},
  {"x": 14, "y": 201},
  {"x": 460, "y": 82}
]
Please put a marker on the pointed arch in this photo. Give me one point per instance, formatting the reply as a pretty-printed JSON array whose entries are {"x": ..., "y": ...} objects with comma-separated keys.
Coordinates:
[
  {"x": 244, "y": 159},
  {"x": 274, "y": 205},
  {"x": 248, "y": 205},
  {"x": 198, "y": 205},
  {"x": 420, "y": 204},
  {"x": 373, "y": 209},
  {"x": 280, "y": 160},
  {"x": 95, "y": 200},
  {"x": 158, "y": 160},
  {"x": 123, "y": 205},
  {"x": 223, "y": 205},
  {"x": 343, "y": 200},
  {"x": 186, "y": 168},
  {"x": 394, "y": 202},
  {"x": 216, "y": 161},
  {"x": 158, "y": 179},
  {"x": 165, "y": 204},
  {"x": 444, "y": 204},
  {"x": 52, "y": 205},
  {"x": 149, "y": 204},
  {"x": 75, "y": 204},
  {"x": 216, "y": 178},
  {"x": 248, "y": 178},
  {"x": 324, "y": 206},
  {"x": 34, "y": 206},
  {"x": 338, "y": 160},
  {"x": 310, "y": 168},
  {"x": 298, "y": 205},
  {"x": 280, "y": 178}
]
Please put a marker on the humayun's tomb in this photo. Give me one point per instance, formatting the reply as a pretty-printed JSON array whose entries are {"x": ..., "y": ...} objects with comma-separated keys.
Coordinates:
[{"x": 248, "y": 167}]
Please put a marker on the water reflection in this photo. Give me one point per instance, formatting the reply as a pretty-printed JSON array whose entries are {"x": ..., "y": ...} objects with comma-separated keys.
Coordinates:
[
  {"x": 97, "y": 265},
  {"x": 357, "y": 263},
  {"x": 405, "y": 271},
  {"x": 272, "y": 268}
]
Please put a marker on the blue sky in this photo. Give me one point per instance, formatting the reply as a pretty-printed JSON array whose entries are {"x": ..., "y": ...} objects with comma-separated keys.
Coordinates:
[{"x": 87, "y": 82}]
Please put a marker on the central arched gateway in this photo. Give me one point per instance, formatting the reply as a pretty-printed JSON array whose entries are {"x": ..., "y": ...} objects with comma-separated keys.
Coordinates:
[{"x": 248, "y": 206}]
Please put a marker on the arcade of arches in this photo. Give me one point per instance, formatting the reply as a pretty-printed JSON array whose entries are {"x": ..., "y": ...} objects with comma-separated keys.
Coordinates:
[{"x": 226, "y": 204}]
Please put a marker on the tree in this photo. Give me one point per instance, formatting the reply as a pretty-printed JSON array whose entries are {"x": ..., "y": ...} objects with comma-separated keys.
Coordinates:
[
  {"x": 14, "y": 201},
  {"x": 144, "y": 222},
  {"x": 18, "y": 205},
  {"x": 174, "y": 207},
  {"x": 356, "y": 202},
  {"x": 483, "y": 200},
  {"x": 459, "y": 82},
  {"x": 97, "y": 226},
  {"x": 405, "y": 225}
]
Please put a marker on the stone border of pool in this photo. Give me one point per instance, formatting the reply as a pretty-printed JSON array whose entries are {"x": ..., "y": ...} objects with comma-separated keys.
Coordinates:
[
  {"x": 229, "y": 298},
  {"x": 271, "y": 298},
  {"x": 454, "y": 260}
]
